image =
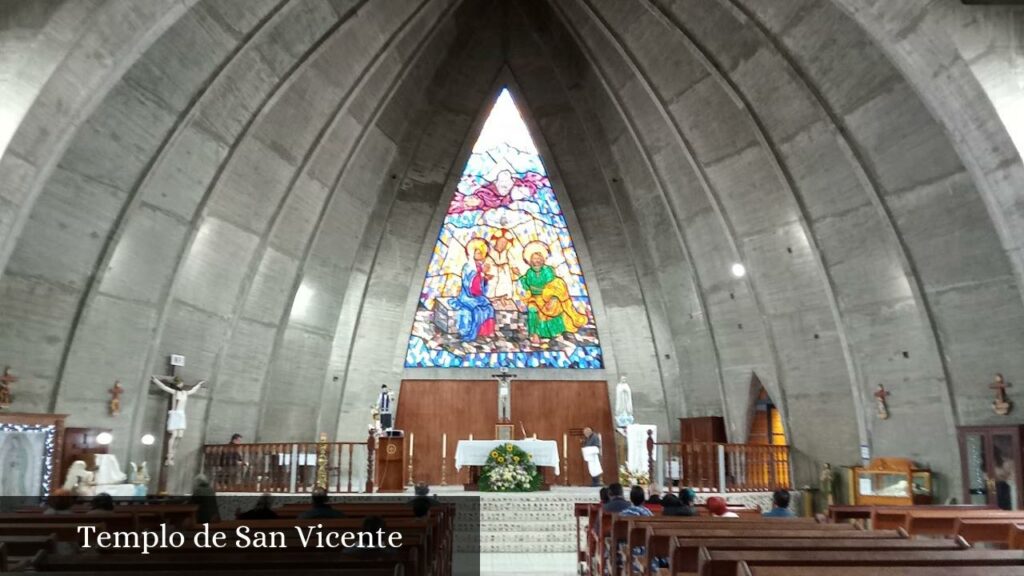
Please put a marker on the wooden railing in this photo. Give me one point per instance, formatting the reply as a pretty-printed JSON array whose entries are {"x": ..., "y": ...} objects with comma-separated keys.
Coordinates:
[
  {"x": 721, "y": 467},
  {"x": 290, "y": 467}
]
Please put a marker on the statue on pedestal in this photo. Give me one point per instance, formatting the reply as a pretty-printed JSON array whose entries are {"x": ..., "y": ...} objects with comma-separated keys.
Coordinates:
[
  {"x": 623, "y": 404},
  {"x": 827, "y": 479}
]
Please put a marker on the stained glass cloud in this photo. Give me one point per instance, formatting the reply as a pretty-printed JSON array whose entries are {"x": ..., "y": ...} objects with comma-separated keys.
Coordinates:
[{"x": 504, "y": 285}]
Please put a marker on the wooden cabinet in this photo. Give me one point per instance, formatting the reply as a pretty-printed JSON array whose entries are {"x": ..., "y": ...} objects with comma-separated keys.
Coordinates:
[
  {"x": 990, "y": 459},
  {"x": 705, "y": 429}
]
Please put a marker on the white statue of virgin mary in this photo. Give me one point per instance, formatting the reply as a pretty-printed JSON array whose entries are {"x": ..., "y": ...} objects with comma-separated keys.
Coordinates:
[{"x": 623, "y": 404}]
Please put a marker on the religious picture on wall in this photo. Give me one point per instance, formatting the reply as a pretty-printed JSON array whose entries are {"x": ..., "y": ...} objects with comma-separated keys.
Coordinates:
[{"x": 504, "y": 285}]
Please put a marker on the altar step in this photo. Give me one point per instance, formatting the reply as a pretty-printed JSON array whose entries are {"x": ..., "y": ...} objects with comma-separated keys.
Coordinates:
[{"x": 539, "y": 522}]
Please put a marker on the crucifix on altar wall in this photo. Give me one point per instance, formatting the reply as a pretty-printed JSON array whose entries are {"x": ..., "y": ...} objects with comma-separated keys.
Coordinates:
[
  {"x": 504, "y": 379},
  {"x": 179, "y": 394}
]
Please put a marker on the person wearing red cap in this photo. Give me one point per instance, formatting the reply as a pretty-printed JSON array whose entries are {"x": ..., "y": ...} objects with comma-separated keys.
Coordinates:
[{"x": 718, "y": 508}]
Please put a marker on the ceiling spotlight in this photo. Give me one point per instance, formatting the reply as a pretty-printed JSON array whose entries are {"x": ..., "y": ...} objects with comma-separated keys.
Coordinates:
[
  {"x": 104, "y": 438},
  {"x": 739, "y": 270},
  {"x": 148, "y": 439}
]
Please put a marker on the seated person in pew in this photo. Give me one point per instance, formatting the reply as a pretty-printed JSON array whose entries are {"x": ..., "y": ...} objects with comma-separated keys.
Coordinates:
[
  {"x": 321, "y": 507},
  {"x": 719, "y": 509},
  {"x": 261, "y": 511},
  {"x": 422, "y": 502},
  {"x": 101, "y": 504},
  {"x": 636, "y": 498},
  {"x": 681, "y": 505},
  {"x": 376, "y": 526},
  {"x": 616, "y": 501},
  {"x": 59, "y": 502},
  {"x": 780, "y": 506},
  {"x": 205, "y": 497}
]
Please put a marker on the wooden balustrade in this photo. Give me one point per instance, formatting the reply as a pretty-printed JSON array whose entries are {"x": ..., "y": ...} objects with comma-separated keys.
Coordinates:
[
  {"x": 289, "y": 467},
  {"x": 704, "y": 465}
]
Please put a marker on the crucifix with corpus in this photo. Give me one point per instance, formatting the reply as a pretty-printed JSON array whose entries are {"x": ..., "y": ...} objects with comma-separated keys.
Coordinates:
[
  {"x": 179, "y": 394},
  {"x": 504, "y": 379}
]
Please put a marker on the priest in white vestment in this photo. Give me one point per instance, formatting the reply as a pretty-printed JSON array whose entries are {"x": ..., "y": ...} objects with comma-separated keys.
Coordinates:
[{"x": 592, "y": 455}]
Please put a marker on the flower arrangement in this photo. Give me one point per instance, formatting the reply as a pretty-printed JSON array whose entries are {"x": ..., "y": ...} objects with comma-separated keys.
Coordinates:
[
  {"x": 629, "y": 477},
  {"x": 509, "y": 468}
]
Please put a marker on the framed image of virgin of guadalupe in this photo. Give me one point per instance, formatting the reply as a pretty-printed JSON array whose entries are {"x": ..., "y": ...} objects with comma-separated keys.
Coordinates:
[
  {"x": 503, "y": 431},
  {"x": 30, "y": 450}
]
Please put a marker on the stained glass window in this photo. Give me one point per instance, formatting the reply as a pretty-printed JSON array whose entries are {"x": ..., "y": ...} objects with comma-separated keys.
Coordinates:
[{"x": 504, "y": 285}]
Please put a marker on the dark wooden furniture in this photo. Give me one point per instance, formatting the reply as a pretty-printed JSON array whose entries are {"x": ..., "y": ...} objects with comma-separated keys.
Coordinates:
[
  {"x": 391, "y": 464},
  {"x": 704, "y": 429},
  {"x": 81, "y": 444},
  {"x": 990, "y": 458}
]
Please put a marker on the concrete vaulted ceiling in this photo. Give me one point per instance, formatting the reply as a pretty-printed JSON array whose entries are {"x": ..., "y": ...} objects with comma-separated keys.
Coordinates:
[{"x": 257, "y": 185}]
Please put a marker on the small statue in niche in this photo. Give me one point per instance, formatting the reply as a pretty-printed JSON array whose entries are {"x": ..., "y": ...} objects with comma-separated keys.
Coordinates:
[
  {"x": 880, "y": 405},
  {"x": 115, "y": 398},
  {"x": 827, "y": 479},
  {"x": 1000, "y": 405}
]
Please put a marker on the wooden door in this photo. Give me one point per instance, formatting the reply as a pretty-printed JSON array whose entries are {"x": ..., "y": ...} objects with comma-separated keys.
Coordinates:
[{"x": 991, "y": 468}]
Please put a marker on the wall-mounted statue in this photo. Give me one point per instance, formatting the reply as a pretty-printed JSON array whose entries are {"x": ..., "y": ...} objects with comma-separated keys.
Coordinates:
[
  {"x": 880, "y": 405},
  {"x": 1000, "y": 405}
]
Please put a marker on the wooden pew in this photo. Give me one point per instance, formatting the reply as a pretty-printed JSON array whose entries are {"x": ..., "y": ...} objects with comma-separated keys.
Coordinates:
[
  {"x": 889, "y": 517},
  {"x": 684, "y": 552},
  {"x": 113, "y": 520},
  {"x": 180, "y": 563},
  {"x": 582, "y": 510},
  {"x": 726, "y": 562},
  {"x": 846, "y": 512},
  {"x": 633, "y": 529},
  {"x": 988, "y": 530},
  {"x": 1017, "y": 537},
  {"x": 943, "y": 522},
  {"x": 19, "y": 550},
  {"x": 658, "y": 539},
  {"x": 436, "y": 546},
  {"x": 64, "y": 531},
  {"x": 747, "y": 570}
]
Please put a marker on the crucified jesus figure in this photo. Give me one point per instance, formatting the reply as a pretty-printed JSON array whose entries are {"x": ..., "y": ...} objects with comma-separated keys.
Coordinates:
[{"x": 176, "y": 415}]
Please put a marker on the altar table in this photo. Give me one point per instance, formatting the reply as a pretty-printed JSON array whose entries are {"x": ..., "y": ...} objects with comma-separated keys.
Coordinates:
[{"x": 476, "y": 452}]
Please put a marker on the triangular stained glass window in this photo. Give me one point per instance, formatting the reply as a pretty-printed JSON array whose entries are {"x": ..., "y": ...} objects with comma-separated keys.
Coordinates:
[{"x": 504, "y": 287}]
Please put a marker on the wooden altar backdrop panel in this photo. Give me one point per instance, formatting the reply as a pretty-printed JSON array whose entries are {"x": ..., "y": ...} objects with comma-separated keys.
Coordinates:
[
  {"x": 428, "y": 408},
  {"x": 548, "y": 408},
  {"x": 551, "y": 408}
]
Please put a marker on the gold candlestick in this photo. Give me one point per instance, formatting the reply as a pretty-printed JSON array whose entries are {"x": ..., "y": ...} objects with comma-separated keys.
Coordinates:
[
  {"x": 444, "y": 469},
  {"x": 412, "y": 444}
]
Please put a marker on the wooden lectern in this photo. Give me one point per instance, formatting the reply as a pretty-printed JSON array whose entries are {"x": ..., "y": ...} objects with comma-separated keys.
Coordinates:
[{"x": 391, "y": 464}]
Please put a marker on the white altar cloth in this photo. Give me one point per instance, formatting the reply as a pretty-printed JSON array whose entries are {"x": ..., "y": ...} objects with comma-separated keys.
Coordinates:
[{"x": 475, "y": 452}]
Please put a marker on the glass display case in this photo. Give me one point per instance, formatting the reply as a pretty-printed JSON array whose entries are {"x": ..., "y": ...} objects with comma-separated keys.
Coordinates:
[{"x": 891, "y": 481}]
